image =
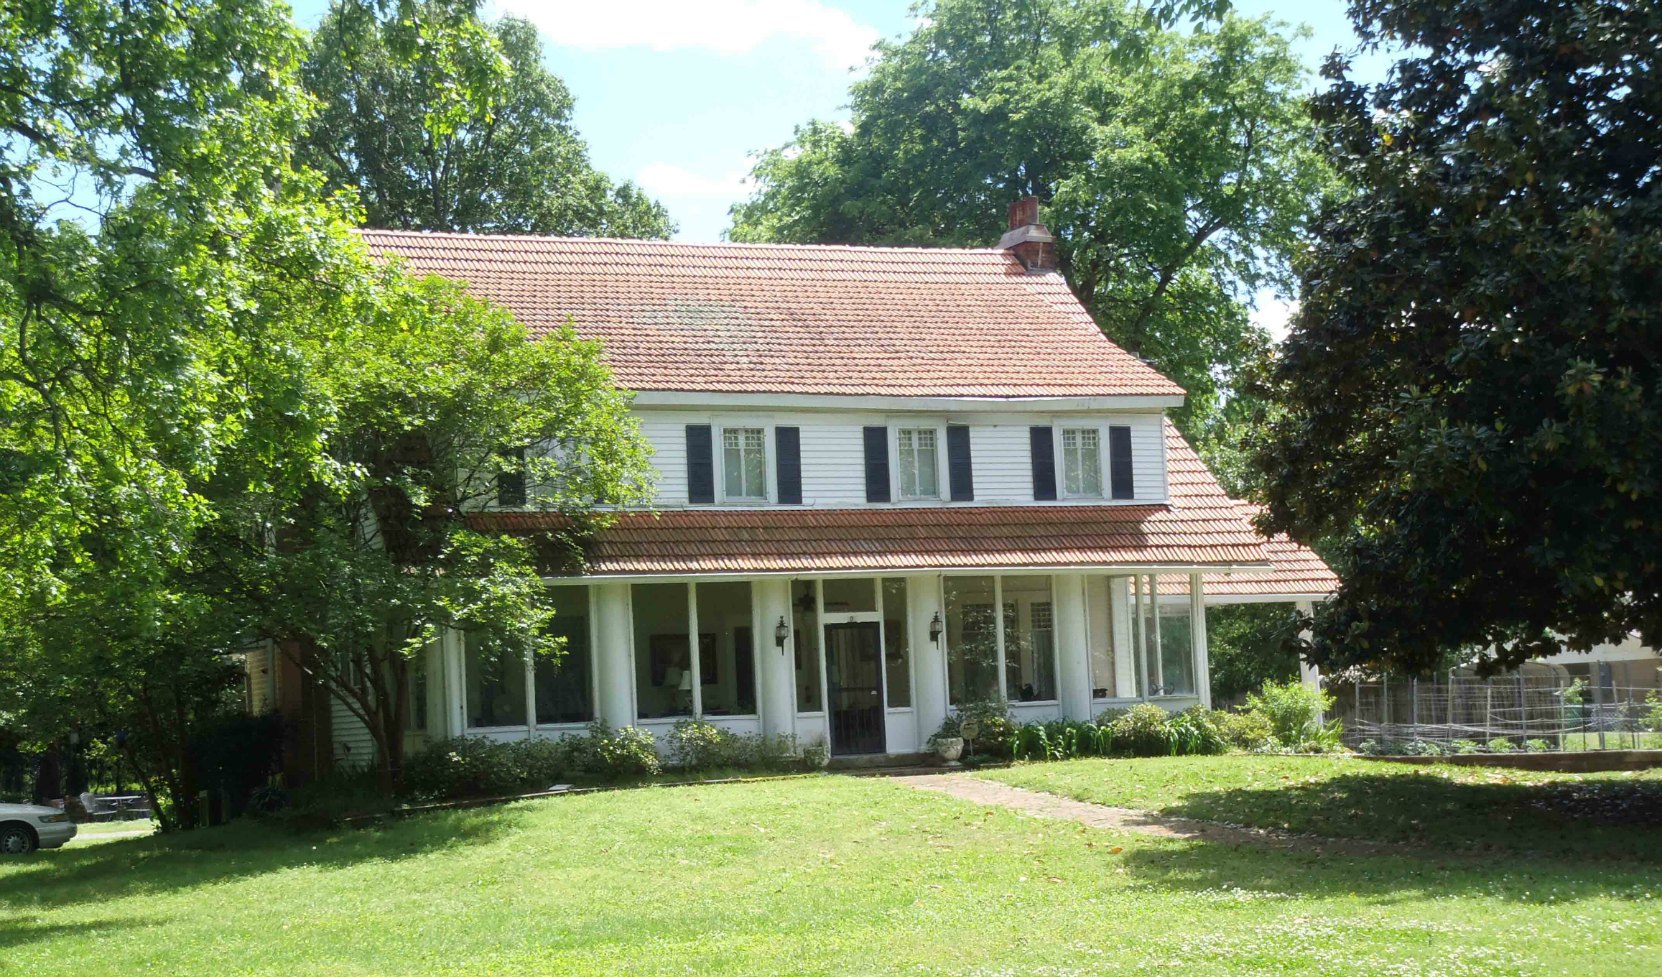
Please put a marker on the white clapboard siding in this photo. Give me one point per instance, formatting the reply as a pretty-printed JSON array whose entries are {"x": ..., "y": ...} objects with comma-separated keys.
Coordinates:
[
  {"x": 833, "y": 456},
  {"x": 354, "y": 747}
]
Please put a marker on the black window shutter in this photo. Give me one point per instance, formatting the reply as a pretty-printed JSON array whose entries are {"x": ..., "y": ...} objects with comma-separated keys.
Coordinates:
[
  {"x": 960, "y": 474},
  {"x": 701, "y": 464},
  {"x": 788, "y": 444},
  {"x": 1044, "y": 463},
  {"x": 1119, "y": 464},
  {"x": 877, "y": 464},
  {"x": 510, "y": 483}
]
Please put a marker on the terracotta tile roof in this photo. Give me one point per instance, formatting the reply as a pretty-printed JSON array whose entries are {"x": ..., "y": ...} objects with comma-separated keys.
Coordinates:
[
  {"x": 1295, "y": 570},
  {"x": 807, "y": 319},
  {"x": 1202, "y": 527}
]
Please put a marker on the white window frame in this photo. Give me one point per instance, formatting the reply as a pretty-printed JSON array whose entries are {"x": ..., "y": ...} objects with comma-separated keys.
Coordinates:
[
  {"x": 719, "y": 449},
  {"x": 939, "y": 433},
  {"x": 1062, "y": 432},
  {"x": 939, "y": 427}
]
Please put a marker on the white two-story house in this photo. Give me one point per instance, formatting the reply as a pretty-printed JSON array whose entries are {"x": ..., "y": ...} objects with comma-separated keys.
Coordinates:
[{"x": 890, "y": 481}]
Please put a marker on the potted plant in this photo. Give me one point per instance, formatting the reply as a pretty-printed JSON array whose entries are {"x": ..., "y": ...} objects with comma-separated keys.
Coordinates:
[{"x": 948, "y": 741}]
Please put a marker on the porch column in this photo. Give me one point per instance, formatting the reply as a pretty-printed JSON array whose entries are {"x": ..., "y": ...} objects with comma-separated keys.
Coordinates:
[
  {"x": 1197, "y": 634},
  {"x": 1308, "y": 674},
  {"x": 613, "y": 659},
  {"x": 1073, "y": 653},
  {"x": 923, "y": 594},
  {"x": 455, "y": 683},
  {"x": 775, "y": 676}
]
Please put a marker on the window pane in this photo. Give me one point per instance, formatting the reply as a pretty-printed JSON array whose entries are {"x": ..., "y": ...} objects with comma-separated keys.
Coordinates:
[
  {"x": 727, "y": 651},
  {"x": 850, "y": 595},
  {"x": 908, "y": 465},
  {"x": 663, "y": 662},
  {"x": 564, "y": 691},
  {"x": 928, "y": 466},
  {"x": 1081, "y": 462},
  {"x": 755, "y": 464},
  {"x": 1029, "y": 639},
  {"x": 805, "y": 629},
  {"x": 897, "y": 643},
  {"x": 495, "y": 685},
  {"x": 732, "y": 467},
  {"x": 972, "y": 640},
  {"x": 1177, "y": 659}
]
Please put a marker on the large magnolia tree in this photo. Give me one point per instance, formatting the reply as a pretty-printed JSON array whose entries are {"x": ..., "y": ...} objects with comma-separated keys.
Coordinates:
[
  {"x": 1472, "y": 391},
  {"x": 1174, "y": 165}
]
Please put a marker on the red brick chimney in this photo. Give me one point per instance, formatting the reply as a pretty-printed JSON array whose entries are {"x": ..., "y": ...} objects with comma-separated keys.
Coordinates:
[{"x": 1027, "y": 239}]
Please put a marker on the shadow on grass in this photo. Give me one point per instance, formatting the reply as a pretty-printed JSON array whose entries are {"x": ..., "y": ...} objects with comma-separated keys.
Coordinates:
[
  {"x": 1604, "y": 819},
  {"x": 170, "y": 863},
  {"x": 16, "y": 931}
]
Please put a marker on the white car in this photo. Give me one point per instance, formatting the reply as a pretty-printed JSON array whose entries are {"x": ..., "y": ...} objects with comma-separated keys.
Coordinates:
[{"x": 25, "y": 827}]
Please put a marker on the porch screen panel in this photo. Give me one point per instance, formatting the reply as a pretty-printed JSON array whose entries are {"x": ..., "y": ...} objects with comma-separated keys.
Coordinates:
[
  {"x": 663, "y": 656},
  {"x": 972, "y": 640},
  {"x": 805, "y": 629},
  {"x": 564, "y": 686},
  {"x": 495, "y": 684},
  {"x": 1177, "y": 657},
  {"x": 849, "y": 595},
  {"x": 1029, "y": 639},
  {"x": 897, "y": 648},
  {"x": 1100, "y": 607},
  {"x": 727, "y": 649}
]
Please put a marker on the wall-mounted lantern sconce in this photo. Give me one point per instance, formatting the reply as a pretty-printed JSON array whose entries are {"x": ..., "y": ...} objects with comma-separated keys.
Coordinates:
[
  {"x": 780, "y": 633},
  {"x": 935, "y": 628}
]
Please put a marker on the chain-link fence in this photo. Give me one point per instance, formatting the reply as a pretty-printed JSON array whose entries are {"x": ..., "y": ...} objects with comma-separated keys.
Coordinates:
[{"x": 1457, "y": 714}]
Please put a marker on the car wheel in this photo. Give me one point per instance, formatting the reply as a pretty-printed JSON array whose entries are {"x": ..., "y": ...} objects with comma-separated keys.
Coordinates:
[{"x": 16, "y": 839}]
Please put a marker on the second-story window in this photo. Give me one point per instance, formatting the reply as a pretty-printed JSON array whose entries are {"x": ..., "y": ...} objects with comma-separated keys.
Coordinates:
[
  {"x": 744, "y": 464},
  {"x": 1082, "y": 462},
  {"x": 919, "y": 463}
]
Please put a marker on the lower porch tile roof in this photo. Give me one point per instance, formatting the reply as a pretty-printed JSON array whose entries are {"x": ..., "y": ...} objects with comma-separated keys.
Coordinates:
[{"x": 828, "y": 540}]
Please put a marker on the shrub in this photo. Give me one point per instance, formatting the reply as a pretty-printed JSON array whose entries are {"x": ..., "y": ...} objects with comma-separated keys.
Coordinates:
[
  {"x": 1465, "y": 747},
  {"x": 1500, "y": 744},
  {"x": 697, "y": 745},
  {"x": 1292, "y": 708},
  {"x": 1419, "y": 747},
  {"x": 1141, "y": 731},
  {"x": 465, "y": 766},
  {"x": 1370, "y": 748},
  {"x": 1328, "y": 738},
  {"x": 627, "y": 752},
  {"x": 1245, "y": 730},
  {"x": 1060, "y": 740},
  {"x": 1538, "y": 746},
  {"x": 1195, "y": 732},
  {"x": 1653, "y": 712},
  {"x": 542, "y": 763}
]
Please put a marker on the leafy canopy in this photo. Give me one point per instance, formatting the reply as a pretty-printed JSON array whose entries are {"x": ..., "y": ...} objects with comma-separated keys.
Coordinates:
[
  {"x": 1472, "y": 390},
  {"x": 1174, "y": 166},
  {"x": 443, "y": 123}
]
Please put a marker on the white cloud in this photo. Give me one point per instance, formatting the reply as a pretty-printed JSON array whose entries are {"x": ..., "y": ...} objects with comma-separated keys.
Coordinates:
[
  {"x": 668, "y": 179},
  {"x": 723, "y": 26},
  {"x": 1273, "y": 314}
]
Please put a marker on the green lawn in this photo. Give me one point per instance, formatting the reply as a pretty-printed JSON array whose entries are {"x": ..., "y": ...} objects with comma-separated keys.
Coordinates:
[
  {"x": 824, "y": 875},
  {"x": 1449, "y": 807}
]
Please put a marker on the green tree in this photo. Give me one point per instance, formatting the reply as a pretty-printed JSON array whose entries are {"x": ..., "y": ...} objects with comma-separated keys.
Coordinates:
[
  {"x": 1175, "y": 167},
  {"x": 441, "y": 123},
  {"x": 1249, "y": 644},
  {"x": 437, "y": 400},
  {"x": 1472, "y": 391}
]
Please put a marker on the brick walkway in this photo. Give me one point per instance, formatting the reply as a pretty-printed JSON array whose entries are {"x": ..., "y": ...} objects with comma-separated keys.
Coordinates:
[{"x": 991, "y": 793}]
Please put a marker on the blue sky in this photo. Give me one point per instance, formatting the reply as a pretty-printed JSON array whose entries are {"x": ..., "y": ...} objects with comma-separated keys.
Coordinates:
[{"x": 677, "y": 94}]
